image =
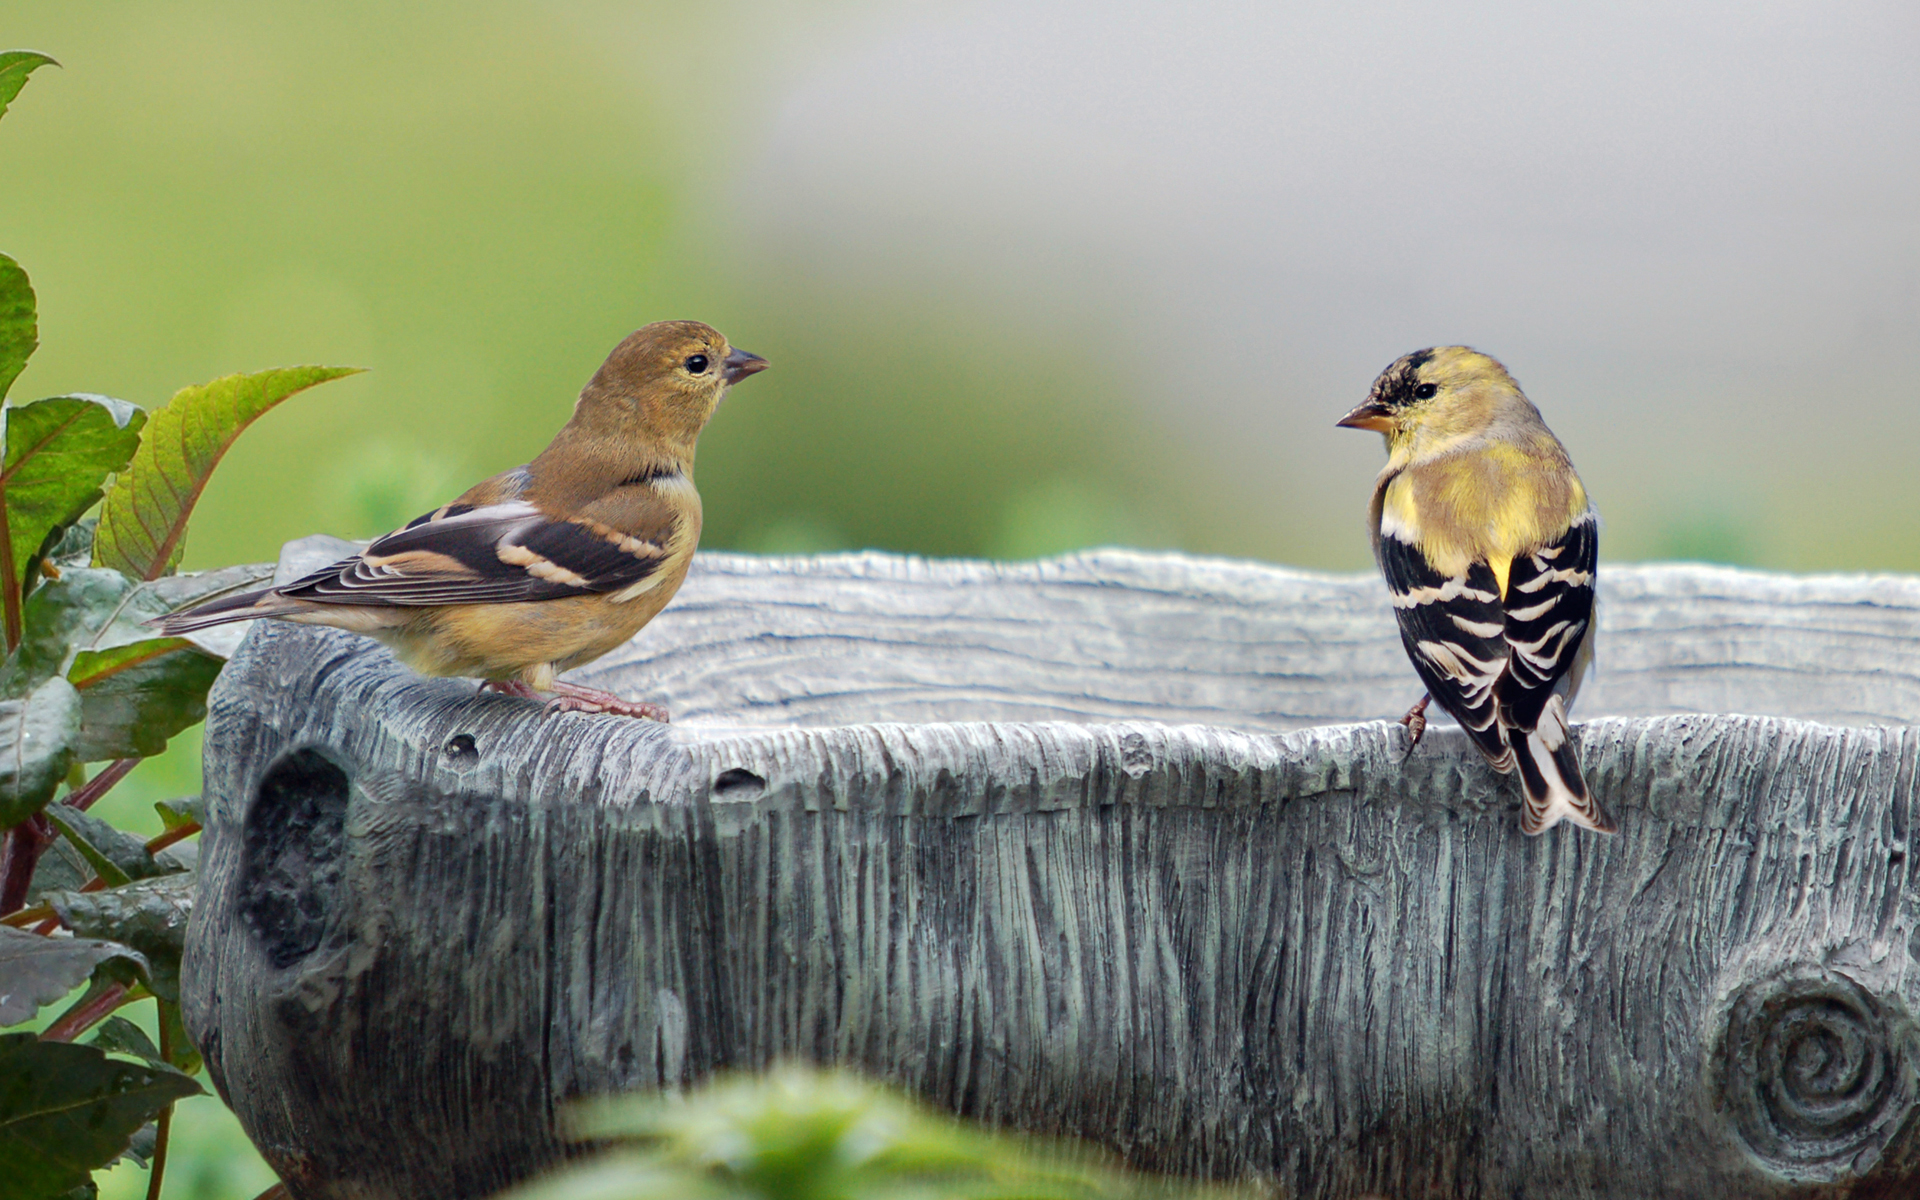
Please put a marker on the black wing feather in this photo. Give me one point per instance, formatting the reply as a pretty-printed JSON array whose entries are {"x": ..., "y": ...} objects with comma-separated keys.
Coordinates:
[
  {"x": 1549, "y": 606},
  {"x": 1454, "y": 631},
  {"x": 578, "y": 559}
]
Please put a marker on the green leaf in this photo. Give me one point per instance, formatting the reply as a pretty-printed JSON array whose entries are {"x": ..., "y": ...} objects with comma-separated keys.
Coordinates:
[
  {"x": 795, "y": 1133},
  {"x": 145, "y": 1140},
  {"x": 59, "y": 454},
  {"x": 150, "y": 915},
  {"x": 40, "y": 970},
  {"x": 15, "y": 66},
  {"x": 37, "y": 736},
  {"x": 117, "y": 1035},
  {"x": 102, "y": 866},
  {"x": 66, "y": 1110},
  {"x": 144, "y": 524},
  {"x": 19, "y": 324},
  {"x": 60, "y": 869},
  {"x": 93, "y": 611},
  {"x": 177, "y": 814},
  {"x": 74, "y": 546},
  {"x": 134, "y": 698},
  {"x": 126, "y": 853},
  {"x": 137, "y": 690}
]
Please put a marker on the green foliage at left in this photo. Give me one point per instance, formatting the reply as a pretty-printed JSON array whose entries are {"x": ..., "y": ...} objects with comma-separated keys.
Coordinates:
[{"x": 85, "y": 679}]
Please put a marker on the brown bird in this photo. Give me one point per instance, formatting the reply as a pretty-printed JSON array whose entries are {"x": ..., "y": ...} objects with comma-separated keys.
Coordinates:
[{"x": 547, "y": 566}]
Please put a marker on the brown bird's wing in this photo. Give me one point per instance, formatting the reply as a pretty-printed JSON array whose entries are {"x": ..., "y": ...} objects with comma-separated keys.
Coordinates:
[{"x": 491, "y": 554}]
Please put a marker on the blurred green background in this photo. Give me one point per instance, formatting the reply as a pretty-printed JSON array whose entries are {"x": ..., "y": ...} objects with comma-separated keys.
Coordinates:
[{"x": 1033, "y": 277}]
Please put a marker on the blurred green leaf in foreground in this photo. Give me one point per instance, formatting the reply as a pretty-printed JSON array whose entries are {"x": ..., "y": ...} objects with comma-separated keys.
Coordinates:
[{"x": 802, "y": 1134}]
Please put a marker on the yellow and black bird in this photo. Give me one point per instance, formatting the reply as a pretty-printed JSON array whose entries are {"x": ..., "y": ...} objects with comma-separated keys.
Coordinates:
[
  {"x": 1489, "y": 545},
  {"x": 547, "y": 566}
]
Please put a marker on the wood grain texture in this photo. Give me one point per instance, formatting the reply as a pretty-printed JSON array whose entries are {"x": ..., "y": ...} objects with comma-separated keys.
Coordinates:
[{"x": 1072, "y": 847}]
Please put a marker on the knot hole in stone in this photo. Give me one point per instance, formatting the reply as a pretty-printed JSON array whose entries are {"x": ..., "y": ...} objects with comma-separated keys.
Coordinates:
[
  {"x": 292, "y": 844},
  {"x": 738, "y": 783},
  {"x": 1817, "y": 1074}
]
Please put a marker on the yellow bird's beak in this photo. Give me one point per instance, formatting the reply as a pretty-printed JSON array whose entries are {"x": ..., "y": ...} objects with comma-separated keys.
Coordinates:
[{"x": 1369, "y": 415}]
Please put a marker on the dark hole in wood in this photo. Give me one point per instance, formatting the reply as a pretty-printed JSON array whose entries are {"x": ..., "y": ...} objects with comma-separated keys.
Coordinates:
[
  {"x": 461, "y": 749},
  {"x": 291, "y": 849},
  {"x": 734, "y": 781}
]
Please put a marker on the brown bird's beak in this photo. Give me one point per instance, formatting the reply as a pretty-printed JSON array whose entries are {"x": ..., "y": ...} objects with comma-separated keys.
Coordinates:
[
  {"x": 1369, "y": 415},
  {"x": 740, "y": 364}
]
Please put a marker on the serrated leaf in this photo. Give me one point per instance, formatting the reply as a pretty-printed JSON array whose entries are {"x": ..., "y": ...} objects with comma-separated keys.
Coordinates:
[
  {"x": 143, "y": 526},
  {"x": 149, "y": 915},
  {"x": 37, "y": 737},
  {"x": 59, "y": 453},
  {"x": 117, "y": 1035},
  {"x": 19, "y": 322},
  {"x": 67, "y": 1110},
  {"x": 15, "y": 66},
  {"x": 37, "y": 971}
]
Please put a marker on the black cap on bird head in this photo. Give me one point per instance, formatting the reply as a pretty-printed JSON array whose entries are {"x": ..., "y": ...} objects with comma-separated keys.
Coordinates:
[{"x": 1413, "y": 379}]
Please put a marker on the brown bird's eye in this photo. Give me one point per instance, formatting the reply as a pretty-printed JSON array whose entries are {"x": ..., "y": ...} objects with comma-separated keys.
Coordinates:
[
  {"x": 1425, "y": 391},
  {"x": 696, "y": 364}
]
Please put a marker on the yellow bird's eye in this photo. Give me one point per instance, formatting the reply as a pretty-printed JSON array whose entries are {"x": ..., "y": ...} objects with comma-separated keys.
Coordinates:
[
  {"x": 1425, "y": 391},
  {"x": 696, "y": 364}
]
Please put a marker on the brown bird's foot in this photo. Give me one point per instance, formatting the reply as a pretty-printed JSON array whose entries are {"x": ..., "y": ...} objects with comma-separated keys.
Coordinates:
[
  {"x": 510, "y": 687},
  {"x": 571, "y": 697},
  {"x": 1416, "y": 723}
]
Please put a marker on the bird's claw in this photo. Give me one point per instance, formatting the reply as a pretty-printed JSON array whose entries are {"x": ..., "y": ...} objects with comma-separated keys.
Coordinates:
[
  {"x": 609, "y": 704},
  {"x": 1416, "y": 723},
  {"x": 571, "y": 697}
]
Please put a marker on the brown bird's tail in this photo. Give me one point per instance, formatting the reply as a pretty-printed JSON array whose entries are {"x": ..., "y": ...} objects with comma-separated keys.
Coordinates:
[{"x": 266, "y": 602}]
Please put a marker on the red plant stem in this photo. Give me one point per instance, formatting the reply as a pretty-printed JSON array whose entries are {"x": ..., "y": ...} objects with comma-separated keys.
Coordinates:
[
  {"x": 157, "y": 1169},
  {"x": 84, "y": 796},
  {"x": 25, "y": 841},
  {"x": 181, "y": 834},
  {"x": 87, "y": 1015}
]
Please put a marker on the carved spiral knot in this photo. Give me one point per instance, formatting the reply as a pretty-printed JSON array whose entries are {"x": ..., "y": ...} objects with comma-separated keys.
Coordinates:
[{"x": 1817, "y": 1074}]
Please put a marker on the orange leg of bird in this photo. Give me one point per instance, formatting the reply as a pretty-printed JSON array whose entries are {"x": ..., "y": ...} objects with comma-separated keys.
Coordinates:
[
  {"x": 1416, "y": 723},
  {"x": 571, "y": 697}
]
